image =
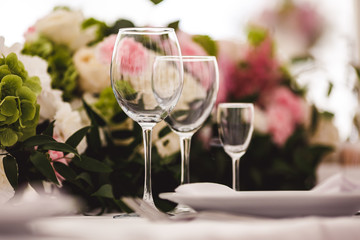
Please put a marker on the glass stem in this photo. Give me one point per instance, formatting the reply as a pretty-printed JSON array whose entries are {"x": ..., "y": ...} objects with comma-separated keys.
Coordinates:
[
  {"x": 147, "y": 132},
  {"x": 236, "y": 174},
  {"x": 185, "y": 142}
]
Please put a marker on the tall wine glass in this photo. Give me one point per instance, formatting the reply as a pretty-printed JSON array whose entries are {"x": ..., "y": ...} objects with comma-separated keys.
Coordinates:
[
  {"x": 201, "y": 83},
  {"x": 235, "y": 123},
  {"x": 132, "y": 80}
]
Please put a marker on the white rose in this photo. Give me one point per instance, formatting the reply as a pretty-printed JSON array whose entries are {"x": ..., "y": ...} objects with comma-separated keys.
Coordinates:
[
  {"x": 67, "y": 123},
  {"x": 64, "y": 27},
  {"x": 49, "y": 99},
  {"x": 94, "y": 76},
  {"x": 6, "y": 190},
  {"x": 260, "y": 120}
]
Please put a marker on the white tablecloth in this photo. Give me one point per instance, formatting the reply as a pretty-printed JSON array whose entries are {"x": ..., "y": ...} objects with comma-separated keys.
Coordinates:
[{"x": 134, "y": 228}]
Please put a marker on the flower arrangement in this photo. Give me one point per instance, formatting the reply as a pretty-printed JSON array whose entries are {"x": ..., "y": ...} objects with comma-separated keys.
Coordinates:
[
  {"x": 287, "y": 126},
  {"x": 71, "y": 131}
]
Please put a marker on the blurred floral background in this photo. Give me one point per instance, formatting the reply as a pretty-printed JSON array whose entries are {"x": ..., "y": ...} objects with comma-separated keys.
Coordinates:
[{"x": 60, "y": 123}]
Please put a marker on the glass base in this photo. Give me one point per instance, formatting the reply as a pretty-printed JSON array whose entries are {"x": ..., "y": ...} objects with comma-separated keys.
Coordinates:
[
  {"x": 181, "y": 209},
  {"x": 125, "y": 215}
]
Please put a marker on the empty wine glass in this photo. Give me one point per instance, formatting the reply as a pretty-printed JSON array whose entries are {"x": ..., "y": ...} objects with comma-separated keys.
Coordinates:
[
  {"x": 201, "y": 83},
  {"x": 235, "y": 124},
  {"x": 146, "y": 97}
]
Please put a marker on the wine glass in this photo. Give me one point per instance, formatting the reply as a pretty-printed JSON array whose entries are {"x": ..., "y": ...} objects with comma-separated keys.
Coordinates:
[
  {"x": 132, "y": 79},
  {"x": 235, "y": 124},
  {"x": 201, "y": 83}
]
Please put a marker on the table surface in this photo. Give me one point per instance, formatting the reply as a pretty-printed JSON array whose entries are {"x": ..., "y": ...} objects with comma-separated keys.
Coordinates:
[{"x": 133, "y": 228}]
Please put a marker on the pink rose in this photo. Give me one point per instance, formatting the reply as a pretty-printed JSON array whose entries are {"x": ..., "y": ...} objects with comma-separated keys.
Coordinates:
[
  {"x": 284, "y": 97},
  {"x": 284, "y": 111},
  {"x": 280, "y": 123},
  {"x": 105, "y": 49},
  {"x": 133, "y": 57},
  {"x": 57, "y": 157},
  {"x": 258, "y": 72}
]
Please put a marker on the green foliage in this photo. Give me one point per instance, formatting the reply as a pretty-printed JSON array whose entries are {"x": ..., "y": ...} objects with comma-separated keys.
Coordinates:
[
  {"x": 207, "y": 43},
  {"x": 256, "y": 35},
  {"x": 42, "y": 163},
  {"x": 11, "y": 170},
  {"x": 29, "y": 162},
  {"x": 174, "y": 25},
  {"x": 156, "y": 1},
  {"x": 103, "y": 30},
  {"x": 108, "y": 107},
  {"x": 291, "y": 167},
  {"x": 19, "y": 111},
  {"x": 61, "y": 68}
]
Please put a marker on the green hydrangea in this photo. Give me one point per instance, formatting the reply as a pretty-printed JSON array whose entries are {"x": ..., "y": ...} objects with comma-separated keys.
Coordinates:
[
  {"x": 107, "y": 105},
  {"x": 60, "y": 64},
  {"x": 19, "y": 111}
]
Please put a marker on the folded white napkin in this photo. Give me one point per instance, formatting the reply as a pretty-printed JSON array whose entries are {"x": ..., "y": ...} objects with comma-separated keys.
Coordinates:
[
  {"x": 337, "y": 183},
  {"x": 203, "y": 188}
]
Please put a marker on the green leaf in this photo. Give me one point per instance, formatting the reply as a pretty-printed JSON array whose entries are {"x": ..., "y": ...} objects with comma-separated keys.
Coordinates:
[
  {"x": 122, "y": 134},
  {"x": 165, "y": 131},
  {"x": 11, "y": 170},
  {"x": 94, "y": 117},
  {"x": 327, "y": 115},
  {"x": 38, "y": 140},
  {"x": 121, "y": 23},
  {"x": 207, "y": 43},
  {"x": 174, "y": 25},
  {"x": 256, "y": 35},
  {"x": 91, "y": 164},
  {"x": 156, "y": 1},
  {"x": 93, "y": 139},
  {"x": 42, "y": 163},
  {"x": 49, "y": 131},
  {"x": 65, "y": 171},
  {"x": 85, "y": 177},
  {"x": 126, "y": 90},
  {"x": 104, "y": 191},
  {"x": 8, "y": 137},
  {"x": 331, "y": 85},
  {"x": 76, "y": 138},
  {"x": 59, "y": 146}
]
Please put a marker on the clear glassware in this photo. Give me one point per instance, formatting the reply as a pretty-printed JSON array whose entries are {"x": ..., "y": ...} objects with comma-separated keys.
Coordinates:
[
  {"x": 201, "y": 83},
  {"x": 145, "y": 95},
  {"x": 235, "y": 123}
]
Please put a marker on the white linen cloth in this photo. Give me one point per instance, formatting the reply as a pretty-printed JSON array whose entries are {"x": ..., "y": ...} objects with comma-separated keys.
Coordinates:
[
  {"x": 105, "y": 227},
  {"x": 134, "y": 228}
]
